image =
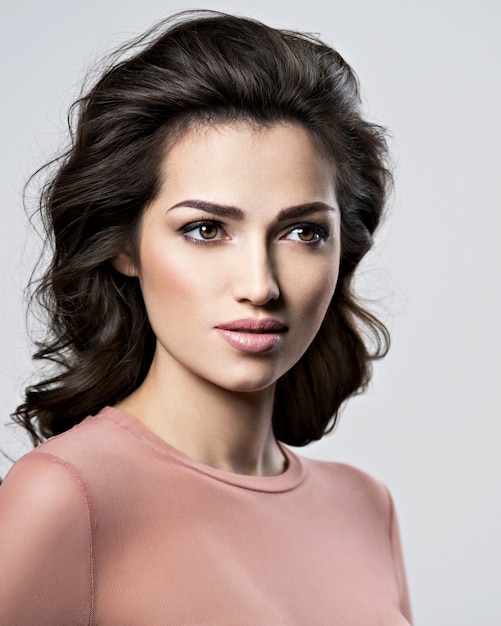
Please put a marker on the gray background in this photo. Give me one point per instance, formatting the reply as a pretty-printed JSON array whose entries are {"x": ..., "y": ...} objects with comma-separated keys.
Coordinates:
[{"x": 429, "y": 425}]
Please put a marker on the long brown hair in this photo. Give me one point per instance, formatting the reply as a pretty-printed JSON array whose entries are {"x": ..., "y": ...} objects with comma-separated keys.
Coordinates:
[{"x": 196, "y": 67}]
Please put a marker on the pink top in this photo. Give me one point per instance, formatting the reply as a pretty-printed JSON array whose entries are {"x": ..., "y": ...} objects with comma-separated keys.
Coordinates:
[{"x": 107, "y": 524}]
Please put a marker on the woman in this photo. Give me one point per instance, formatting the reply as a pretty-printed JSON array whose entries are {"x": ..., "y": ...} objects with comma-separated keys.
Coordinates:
[{"x": 220, "y": 190}]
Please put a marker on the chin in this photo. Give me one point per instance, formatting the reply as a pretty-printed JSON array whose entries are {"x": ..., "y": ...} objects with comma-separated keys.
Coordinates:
[
  {"x": 246, "y": 383},
  {"x": 250, "y": 377}
]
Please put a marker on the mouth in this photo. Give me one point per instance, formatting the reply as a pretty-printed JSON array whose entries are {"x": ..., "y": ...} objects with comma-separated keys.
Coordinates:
[
  {"x": 250, "y": 325},
  {"x": 251, "y": 335}
]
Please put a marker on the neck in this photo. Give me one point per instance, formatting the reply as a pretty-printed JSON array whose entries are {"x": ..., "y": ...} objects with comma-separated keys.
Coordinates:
[{"x": 227, "y": 430}]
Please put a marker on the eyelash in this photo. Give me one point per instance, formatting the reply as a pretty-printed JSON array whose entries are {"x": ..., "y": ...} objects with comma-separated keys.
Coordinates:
[
  {"x": 320, "y": 232},
  {"x": 187, "y": 228}
]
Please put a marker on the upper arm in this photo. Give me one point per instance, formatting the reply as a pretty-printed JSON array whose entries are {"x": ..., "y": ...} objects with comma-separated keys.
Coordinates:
[
  {"x": 398, "y": 560},
  {"x": 45, "y": 545}
]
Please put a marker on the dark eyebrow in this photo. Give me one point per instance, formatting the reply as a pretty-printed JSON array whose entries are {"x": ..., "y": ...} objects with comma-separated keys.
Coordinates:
[
  {"x": 209, "y": 207},
  {"x": 223, "y": 210},
  {"x": 301, "y": 210}
]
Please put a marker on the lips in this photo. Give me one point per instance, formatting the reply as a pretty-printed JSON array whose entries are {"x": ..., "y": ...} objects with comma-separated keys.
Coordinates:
[
  {"x": 250, "y": 325},
  {"x": 252, "y": 335}
]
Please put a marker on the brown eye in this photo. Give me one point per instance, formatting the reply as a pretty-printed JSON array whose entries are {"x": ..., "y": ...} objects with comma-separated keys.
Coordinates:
[
  {"x": 208, "y": 231},
  {"x": 203, "y": 231},
  {"x": 306, "y": 234}
]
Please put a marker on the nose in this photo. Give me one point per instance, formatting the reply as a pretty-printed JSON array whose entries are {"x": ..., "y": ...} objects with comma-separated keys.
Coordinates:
[{"x": 255, "y": 279}]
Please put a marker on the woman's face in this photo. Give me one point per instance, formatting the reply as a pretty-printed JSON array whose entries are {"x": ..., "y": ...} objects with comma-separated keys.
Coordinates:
[{"x": 238, "y": 254}]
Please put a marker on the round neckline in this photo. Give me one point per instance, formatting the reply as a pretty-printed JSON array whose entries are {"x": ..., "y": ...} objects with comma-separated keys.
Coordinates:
[{"x": 290, "y": 478}]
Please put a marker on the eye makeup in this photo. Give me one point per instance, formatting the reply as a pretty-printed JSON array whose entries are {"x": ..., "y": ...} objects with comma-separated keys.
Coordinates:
[{"x": 209, "y": 231}]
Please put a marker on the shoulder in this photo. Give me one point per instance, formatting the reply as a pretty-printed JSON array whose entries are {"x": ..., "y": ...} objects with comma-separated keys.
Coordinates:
[
  {"x": 91, "y": 434},
  {"x": 102, "y": 461},
  {"x": 60, "y": 470},
  {"x": 90, "y": 450},
  {"x": 45, "y": 542},
  {"x": 367, "y": 503},
  {"x": 45, "y": 485},
  {"x": 351, "y": 487},
  {"x": 343, "y": 474}
]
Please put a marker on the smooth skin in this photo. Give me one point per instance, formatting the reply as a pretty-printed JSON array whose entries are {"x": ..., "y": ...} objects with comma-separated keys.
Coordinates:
[{"x": 245, "y": 226}]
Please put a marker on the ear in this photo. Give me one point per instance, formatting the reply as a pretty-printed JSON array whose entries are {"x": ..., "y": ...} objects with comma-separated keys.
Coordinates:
[{"x": 124, "y": 264}]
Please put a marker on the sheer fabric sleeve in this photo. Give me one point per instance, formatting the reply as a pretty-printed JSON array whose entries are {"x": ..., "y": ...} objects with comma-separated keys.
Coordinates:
[
  {"x": 45, "y": 545},
  {"x": 396, "y": 547}
]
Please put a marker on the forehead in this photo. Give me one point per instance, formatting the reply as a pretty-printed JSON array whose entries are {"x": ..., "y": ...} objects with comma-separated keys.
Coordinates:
[{"x": 246, "y": 164}]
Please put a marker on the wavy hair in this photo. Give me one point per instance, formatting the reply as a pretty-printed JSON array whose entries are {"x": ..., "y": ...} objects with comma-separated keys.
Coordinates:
[{"x": 193, "y": 68}]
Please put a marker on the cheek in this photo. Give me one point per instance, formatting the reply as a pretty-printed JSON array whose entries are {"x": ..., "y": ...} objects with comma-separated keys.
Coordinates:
[
  {"x": 312, "y": 290},
  {"x": 161, "y": 278},
  {"x": 166, "y": 281},
  {"x": 176, "y": 282},
  {"x": 320, "y": 295}
]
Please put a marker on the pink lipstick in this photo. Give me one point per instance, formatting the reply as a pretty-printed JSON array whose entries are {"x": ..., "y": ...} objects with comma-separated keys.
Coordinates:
[{"x": 252, "y": 335}]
